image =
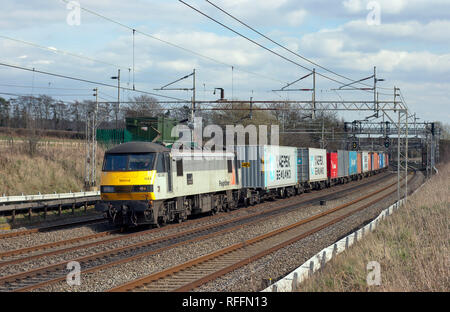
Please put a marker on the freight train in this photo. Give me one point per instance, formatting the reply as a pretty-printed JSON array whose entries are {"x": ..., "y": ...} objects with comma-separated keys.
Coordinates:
[{"x": 147, "y": 183}]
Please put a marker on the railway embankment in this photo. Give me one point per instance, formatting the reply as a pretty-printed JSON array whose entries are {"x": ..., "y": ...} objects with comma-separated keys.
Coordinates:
[{"x": 411, "y": 248}]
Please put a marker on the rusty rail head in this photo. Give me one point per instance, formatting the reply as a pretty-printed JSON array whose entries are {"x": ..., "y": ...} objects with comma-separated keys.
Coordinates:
[
  {"x": 50, "y": 245},
  {"x": 156, "y": 276},
  {"x": 62, "y": 264}
]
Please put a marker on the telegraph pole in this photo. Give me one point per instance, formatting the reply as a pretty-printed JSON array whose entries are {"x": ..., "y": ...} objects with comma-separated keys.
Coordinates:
[
  {"x": 193, "y": 97},
  {"x": 94, "y": 140},
  {"x": 91, "y": 144},
  {"x": 118, "y": 95}
]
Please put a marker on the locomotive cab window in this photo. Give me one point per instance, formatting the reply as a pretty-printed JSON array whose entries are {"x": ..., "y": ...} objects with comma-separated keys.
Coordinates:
[
  {"x": 160, "y": 163},
  {"x": 129, "y": 162},
  {"x": 179, "y": 167},
  {"x": 230, "y": 166}
]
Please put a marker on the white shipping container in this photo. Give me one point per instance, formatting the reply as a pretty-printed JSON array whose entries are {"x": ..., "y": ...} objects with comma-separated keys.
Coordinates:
[
  {"x": 317, "y": 164},
  {"x": 280, "y": 166},
  {"x": 365, "y": 161}
]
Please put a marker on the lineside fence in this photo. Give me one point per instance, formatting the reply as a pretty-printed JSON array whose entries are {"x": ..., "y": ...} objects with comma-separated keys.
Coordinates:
[{"x": 25, "y": 204}]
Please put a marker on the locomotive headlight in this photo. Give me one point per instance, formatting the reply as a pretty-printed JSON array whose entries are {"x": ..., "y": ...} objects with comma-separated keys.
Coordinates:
[
  {"x": 143, "y": 188},
  {"x": 107, "y": 189}
]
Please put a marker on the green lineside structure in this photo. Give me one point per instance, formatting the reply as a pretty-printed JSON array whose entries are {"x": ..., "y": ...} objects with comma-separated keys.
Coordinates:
[{"x": 146, "y": 129}]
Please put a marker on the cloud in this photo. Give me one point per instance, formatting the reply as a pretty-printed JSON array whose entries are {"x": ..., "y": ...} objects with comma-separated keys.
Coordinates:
[
  {"x": 353, "y": 6},
  {"x": 296, "y": 18},
  {"x": 409, "y": 48}
]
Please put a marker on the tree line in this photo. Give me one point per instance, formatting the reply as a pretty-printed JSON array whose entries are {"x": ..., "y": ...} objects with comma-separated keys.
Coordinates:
[{"x": 47, "y": 113}]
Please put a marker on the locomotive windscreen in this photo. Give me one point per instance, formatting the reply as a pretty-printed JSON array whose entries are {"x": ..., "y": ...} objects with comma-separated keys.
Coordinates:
[{"x": 129, "y": 162}]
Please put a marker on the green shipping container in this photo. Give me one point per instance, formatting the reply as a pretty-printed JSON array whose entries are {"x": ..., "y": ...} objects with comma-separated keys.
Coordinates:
[
  {"x": 151, "y": 129},
  {"x": 111, "y": 137}
]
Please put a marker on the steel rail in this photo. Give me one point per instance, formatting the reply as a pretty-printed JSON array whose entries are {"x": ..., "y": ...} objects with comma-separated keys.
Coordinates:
[
  {"x": 99, "y": 235},
  {"x": 51, "y": 227},
  {"x": 130, "y": 248},
  {"x": 196, "y": 263}
]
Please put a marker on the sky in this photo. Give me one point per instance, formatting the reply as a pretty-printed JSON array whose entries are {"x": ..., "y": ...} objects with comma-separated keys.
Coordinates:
[{"x": 408, "y": 42}]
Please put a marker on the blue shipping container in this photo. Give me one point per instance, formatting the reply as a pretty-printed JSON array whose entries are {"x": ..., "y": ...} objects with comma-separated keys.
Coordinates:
[
  {"x": 353, "y": 166},
  {"x": 381, "y": 160}
]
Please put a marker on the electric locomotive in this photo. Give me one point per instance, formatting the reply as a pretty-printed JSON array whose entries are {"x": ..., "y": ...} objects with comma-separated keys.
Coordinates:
[{"x": 145, "y": 183}]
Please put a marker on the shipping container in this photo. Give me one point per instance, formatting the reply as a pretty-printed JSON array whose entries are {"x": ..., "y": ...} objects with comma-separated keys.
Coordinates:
[
  {"x": 267, "y": 166},
  {"x": 113, "y": 136},
  {"x": 365, "y": 161},
  {"x": 352, "y": 165},
  {"x": 376, "y": 161},
  {"x": 311, "y": 164},
  {"x": 359, "y": 162},
  {"x": 380, "y": 157},
  {"x": 387, "y": 160},
  {"x": 332, "y": 165},
  {"x": 342, "y": 163},
  {"x": 152, "y": 129},
  {"x": 372, "y": 161}
]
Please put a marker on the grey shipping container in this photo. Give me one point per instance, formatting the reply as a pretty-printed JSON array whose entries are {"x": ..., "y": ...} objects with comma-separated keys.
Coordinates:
[
  {"x": 343, "y": 162},
  {"x": 267, "y": 166},
  {"x": 311, "y": 164},
  {"x": 302, "y": 165},
  {"x": 250, "y": 162}
]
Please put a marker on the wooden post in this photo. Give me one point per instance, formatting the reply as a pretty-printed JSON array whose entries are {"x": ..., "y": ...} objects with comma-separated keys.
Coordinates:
[
  {"x": 73, "y": 208},
  {"x": 13, "y": 216},
  {"x": 29, "y": 213},
  {"x": 59, "y": 210},
  {"x": 45, "y": 212}
]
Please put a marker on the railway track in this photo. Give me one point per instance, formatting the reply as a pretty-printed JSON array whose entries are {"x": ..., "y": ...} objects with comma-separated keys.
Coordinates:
[
  {"x": 53, "y": 273},
  {"x": 48, "y": 228},
  {"x": 13, "y": 256},
  {"x": 196, "y": 272}
]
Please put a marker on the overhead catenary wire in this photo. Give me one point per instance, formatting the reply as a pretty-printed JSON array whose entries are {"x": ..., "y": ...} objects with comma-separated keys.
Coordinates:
[
  {"x": 55, "y": 50},
  {"x": 278, "y": 44},
  {"x": 46, "y": 88},
  {"x": 33, "y": 95},
  {"x": 36, "y": 96},
  {"x": 260, "y": 45},
  {"x": 175, "y": 45},
  {"x": 264, "y": 47},
  {"x": 89, "y": 81}
]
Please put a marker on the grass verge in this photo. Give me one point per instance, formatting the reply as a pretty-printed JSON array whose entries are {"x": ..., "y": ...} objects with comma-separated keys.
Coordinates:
[
  {"x": 51, "y": 169},
  {"x": 411, "y": 246}
]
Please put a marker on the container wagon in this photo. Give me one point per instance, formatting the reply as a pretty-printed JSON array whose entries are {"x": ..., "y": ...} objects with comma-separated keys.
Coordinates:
[
  {"x": 332, "y": 168},
  {"x": 343, "y": 163},
  {"x": 365, "y": 163},
  {"x": 359, "y": 165},
  {"x": 312, "y": 168},
  {"x": 352, "y": 165},
  {"x": 376, "y": 162},
  {"x": 268, "y": 171}
]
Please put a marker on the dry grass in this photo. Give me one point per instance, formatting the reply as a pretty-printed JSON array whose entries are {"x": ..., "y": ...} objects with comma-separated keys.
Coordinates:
[
  {"x": 412, "y": 247},
  {"x": 53, "y": 168}
]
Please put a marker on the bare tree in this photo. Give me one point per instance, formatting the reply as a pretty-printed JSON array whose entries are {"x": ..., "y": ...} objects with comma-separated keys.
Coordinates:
[{"x": 143, "y": 106}]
